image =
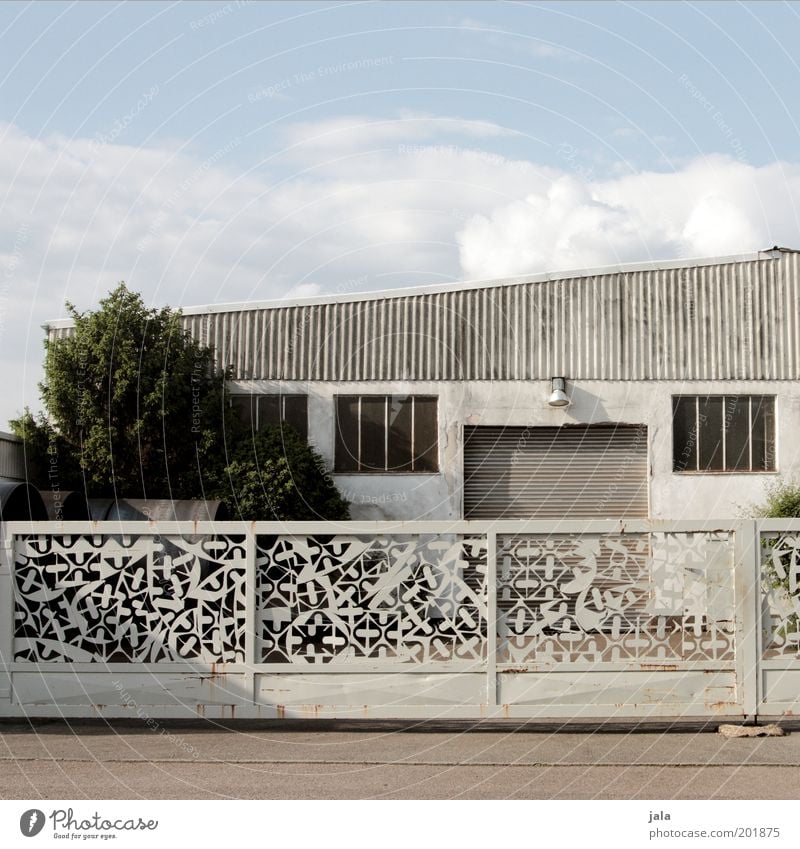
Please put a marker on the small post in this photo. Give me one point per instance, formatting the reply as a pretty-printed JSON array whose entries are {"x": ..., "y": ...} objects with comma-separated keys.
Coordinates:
[
  {"x": 747, "y": 588},
  {"x": 6, "y": 614},
  {"x": 250, "y": 591},
  {"x": 491, "y": 620}
]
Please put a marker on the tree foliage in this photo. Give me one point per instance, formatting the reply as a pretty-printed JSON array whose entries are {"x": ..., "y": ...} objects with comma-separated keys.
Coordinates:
[
  {"x": 135, "y": 409},
  {"x": 274, "y": 474},
  {"x": 782, "y": 501},
  {"x": 49, "y": 459},
  {"x": 137, "y": 398}
]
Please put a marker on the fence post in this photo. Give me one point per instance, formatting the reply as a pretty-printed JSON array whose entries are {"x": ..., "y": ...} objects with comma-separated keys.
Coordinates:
[
  {"x": 6, "y": 614},
  {"x": 491, "y": 620},
  {"x": 747, "y": 590},
  {"x": 250, "y": 590}
]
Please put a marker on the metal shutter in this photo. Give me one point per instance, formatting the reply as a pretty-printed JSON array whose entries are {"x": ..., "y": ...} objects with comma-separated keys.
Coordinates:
[{"x": 575, "y": 471}]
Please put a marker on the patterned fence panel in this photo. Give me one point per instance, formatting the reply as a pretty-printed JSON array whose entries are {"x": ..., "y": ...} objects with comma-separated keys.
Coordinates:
[
  {"x": 400, "y": 598},
  {"x": 780, "y": 577},
  {"x": 129, "y": 598},
  {"x": 609, "y": 598}
]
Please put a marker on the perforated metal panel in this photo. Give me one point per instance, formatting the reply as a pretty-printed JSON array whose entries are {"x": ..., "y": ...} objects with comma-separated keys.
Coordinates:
[{"x": 597, "y": 472}]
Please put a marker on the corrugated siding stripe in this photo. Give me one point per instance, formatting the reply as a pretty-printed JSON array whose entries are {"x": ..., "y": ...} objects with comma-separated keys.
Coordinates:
[{"x": 736, "y": 320}]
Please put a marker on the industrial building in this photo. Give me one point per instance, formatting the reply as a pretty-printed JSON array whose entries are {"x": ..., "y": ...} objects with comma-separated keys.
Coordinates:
[{"x": 661, "y": 390}]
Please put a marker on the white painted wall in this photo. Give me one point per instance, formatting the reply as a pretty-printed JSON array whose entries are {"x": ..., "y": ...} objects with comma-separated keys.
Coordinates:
[{"x": 523, "y": 403}]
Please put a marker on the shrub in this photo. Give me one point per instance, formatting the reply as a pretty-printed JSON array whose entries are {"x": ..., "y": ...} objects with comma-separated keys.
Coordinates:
[
  {"x": 275, "y": 475},
  {"x": 782, "y": 502}
]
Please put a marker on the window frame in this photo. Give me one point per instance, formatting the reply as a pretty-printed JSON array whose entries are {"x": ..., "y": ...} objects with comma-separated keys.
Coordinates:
[
  {"x": 255, "y": 398},
  {"x": 386, "y": 428},
  {"x": 698, "y": 397}
]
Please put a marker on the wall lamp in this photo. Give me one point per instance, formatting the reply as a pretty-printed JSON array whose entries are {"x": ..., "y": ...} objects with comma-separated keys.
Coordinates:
[{"x": 558, "y": 397}]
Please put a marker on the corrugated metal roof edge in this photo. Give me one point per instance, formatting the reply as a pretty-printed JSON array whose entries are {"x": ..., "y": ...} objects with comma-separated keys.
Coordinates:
[{"x": 459, "y": 286}]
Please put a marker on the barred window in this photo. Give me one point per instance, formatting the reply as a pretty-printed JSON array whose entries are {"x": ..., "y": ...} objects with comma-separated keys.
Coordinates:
[
  {"x": 256, "y": 411},
  {"x": 386, "y": 433},
  {"x": 723, "y": 433}
]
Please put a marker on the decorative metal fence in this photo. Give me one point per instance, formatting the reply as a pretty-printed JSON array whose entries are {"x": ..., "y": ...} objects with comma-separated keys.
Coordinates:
[{"x": 401, "y": 619}]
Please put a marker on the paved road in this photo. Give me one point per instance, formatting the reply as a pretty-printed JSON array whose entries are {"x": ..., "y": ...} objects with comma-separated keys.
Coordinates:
[{"x": 173, "y": 761}]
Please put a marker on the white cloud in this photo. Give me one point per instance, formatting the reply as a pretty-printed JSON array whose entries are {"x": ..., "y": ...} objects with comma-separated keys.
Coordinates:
[
  {"x": 348, "y": 134},
  {"x": 76, "y": 217},
  {"x": 625, "y": 133},
  {"x": 714, "y": 206},
  {"x": 518, "y": 42}
]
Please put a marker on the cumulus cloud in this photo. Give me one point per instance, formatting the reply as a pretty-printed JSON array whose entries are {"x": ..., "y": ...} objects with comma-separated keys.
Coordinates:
[
  {"x": 428, "y": 205},
  {"x": 713, "y": 206}
]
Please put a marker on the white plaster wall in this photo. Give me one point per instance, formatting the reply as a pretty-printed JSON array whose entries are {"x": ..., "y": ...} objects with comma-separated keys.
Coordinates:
[{"x": 523, "y": 403}]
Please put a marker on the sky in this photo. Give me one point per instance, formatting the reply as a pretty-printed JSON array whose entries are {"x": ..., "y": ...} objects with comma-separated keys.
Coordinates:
[{"x": 229, "y": 151}]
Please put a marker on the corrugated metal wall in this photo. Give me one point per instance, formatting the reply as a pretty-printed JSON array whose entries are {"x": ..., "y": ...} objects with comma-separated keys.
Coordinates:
[
  {"x": 12, "y": 458},
  {"x": 735, "y": 320}
]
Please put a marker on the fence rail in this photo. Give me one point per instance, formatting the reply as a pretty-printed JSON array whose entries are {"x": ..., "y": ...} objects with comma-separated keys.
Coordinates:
[{"x": 536, "y": 619}]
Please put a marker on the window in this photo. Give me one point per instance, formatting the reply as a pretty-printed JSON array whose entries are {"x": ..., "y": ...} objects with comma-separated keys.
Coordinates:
[
  {"x": 723, "y": 433},
  {"x": 256, "y": 411},
  {"x": 386, "y": 433}
]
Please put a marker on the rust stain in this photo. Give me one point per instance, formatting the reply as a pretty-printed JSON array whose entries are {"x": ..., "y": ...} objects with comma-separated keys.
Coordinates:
[
  {"x": 515, "y": 670},
  {"x": 659, "y": 667},
  {"x": 281, "y": 711},
  {"x": 366, "y": 710},
  {"x": 506, "y": 714},
  {"x": 718, "y": 706}
]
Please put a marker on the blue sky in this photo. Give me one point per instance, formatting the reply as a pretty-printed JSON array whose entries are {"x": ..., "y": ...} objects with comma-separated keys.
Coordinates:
[{"x": 211, "y": 152}]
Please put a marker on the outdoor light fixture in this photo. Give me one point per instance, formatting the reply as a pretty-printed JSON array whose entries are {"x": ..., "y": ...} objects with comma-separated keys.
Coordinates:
[{"x": 558, "y": 397}]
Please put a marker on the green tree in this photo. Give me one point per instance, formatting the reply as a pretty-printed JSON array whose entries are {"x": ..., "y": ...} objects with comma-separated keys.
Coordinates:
[
  {"x": 275, "y": 475},
  {"x": 136, "y": 409},
  {"x": 135, "y": 398},
  {"x": 49, "y": 459}
]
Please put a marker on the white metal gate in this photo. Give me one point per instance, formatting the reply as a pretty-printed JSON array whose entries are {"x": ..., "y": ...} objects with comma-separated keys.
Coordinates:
[{"x": 432, "y": 620}]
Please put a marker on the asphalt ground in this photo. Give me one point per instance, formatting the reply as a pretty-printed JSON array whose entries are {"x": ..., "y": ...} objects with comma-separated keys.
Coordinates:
[{"x": 389, "y": 761}]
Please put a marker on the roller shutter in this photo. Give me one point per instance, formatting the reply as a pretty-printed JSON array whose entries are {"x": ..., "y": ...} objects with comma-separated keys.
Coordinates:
[{"x": 575, "y": 471}]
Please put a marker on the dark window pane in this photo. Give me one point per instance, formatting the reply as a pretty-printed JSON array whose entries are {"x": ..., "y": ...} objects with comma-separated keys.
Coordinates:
[
  {"x": 346, "y": 450},
  {"x": 295, "y": 413},
  {"x": 245, "y": 407},
  {"x": 684, "y": 434},
  {"x": 426, "y": 433},
  {"x": 373, "y": 433},
  {"x": 400, "y": 422},
  {"x": 737, "y": 432},
  {"x": 269, "y": 410},
  {"x": 763, "y": 434},
  {"x": 711, "y": 416}
]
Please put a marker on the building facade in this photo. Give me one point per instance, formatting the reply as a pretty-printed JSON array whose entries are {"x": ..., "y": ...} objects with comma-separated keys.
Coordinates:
[
  {"x": 12, "y": 459},
  {"x": 436, "y": 403}
]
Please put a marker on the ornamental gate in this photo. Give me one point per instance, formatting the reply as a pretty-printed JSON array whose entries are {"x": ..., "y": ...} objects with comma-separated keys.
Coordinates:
[{"x": 545, "y": 619}]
